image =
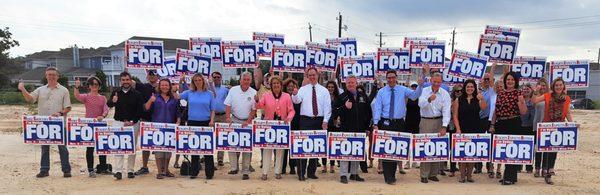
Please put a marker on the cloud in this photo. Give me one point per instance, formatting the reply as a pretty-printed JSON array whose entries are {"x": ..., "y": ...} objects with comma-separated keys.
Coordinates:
[{"x": 58, "y": 24}]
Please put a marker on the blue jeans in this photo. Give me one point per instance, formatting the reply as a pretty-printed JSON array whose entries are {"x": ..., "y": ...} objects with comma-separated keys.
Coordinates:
[{"x": 64, "y": 159}]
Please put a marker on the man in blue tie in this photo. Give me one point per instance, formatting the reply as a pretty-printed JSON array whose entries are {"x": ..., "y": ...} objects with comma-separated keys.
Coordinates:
[{"x": 388, "y": 114}]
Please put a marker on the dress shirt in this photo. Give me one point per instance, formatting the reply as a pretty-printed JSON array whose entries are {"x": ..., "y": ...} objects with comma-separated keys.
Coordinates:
[
  {"x": 438, "y": 107},
  {"x": 304, "y": 97},
  {"x": 381, "y": 107}
]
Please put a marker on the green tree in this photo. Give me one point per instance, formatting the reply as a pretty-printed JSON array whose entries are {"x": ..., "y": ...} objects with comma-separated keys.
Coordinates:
[
  {"x": 100, "y": 75},
  {"x": 8, "y": 66}
]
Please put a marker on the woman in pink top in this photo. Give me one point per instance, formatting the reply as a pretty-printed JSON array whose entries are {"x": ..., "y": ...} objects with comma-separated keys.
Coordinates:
[
  {"x": 95, "y": 107},
  {"x": 277, "y": 105}
]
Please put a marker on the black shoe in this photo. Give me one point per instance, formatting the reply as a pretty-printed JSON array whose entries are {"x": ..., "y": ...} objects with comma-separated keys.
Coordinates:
[
  {"x": 42, "y": 174},
  {"x": 358, "y": 178},
  {"x": 424, "y": 180},
  {"x": 252, "y": 169},
  {"x": 344, "y": 180},
  {"x": 470, "y": 180},
  {"x": 302, "y": 178},
  {"x": 433, "y": 179},
  {"x": 220, "y": 163},
  {"x": 209, "y": 177},
  {"x": 130, "y": 175},
  {"x": 232, "y": 172},
  {"x": 442, "y": 173},
  {"x": 507, "y": 183},
  {"x": 313, "y": 177},
  {"x": 292, "y": 172},
  {"x": 67, "y": 175},
  {"x": 402, "y": 172},
  {"x": 118, "y": 176},
  {"x": 245, "y": 177},
  {"x": 142, "y": 171},
  {"x": 353, "y": 177},
  {"x": 193, "y": 177}
]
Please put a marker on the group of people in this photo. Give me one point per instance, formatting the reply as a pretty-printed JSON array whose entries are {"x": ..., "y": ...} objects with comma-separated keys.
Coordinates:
[{"x": 503, "y": 107}]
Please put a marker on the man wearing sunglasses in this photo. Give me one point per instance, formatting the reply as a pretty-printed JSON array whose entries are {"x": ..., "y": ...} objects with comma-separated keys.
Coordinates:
[
  {"x": 221, "y": 93},
  {"x": 487, "y": 90}
]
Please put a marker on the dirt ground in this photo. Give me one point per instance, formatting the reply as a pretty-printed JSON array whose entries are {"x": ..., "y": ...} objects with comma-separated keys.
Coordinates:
[{"x": 577, "y": 173}]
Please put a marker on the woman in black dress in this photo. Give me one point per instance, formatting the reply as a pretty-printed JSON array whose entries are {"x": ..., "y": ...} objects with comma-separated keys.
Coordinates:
[
  {"x": 510, "y": 105},
  {"x": 465, "y": 110}
]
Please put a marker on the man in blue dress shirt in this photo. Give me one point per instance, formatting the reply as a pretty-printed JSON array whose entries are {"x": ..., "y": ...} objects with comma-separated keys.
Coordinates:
[{"x": 388, "y": 114}]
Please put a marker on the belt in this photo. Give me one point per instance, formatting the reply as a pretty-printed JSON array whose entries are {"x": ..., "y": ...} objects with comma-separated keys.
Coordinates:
[
  {"x": 219, "y": 114},
  {"x": 311, "y": 117},
  {"x": 507, "y": 118},
  {"x": 435, "y": 117},
  {"x": 393, "y": 120}
]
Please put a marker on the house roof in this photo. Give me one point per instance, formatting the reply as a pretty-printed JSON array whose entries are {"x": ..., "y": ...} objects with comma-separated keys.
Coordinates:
[
  {"x": 67, "y": 53},
  {"x": 169, "y": 44}
]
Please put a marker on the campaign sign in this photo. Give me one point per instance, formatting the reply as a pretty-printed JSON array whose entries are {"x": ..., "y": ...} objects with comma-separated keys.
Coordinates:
[
  {"x": 265, "y": 42},
  {"x": 208, "y": 46},
  {"x": 239, "y": 54},
  {"x": 363, "y": 67},
  {"x": 321, "y": 56},
  {"x": 499, "y": 48},
  {"x": 513, "y": 149},
  {"x": 271, "y": 134},
  {"x": 430, "y": 147},
  {"x": 556, "y": 137},
  {"x": 346, "y": 46},
  {"x": 407, "y": 40},
  {"x": 144, "y": 54},
  {"x": 393, "y": 59},
  {"x": 190, "y": 62},
  {"x": 80, "y": 131},
  {"x": 467, "y": 65},
  {"x": 347, "y": 146},
  {"x": 289, "y": 58},
  {"x": 450, "y": 80},
  {"x": 168, "y": 70},
  {"x": 195, "y": 140},
  {"x": 430, "y": 52},
  {"x": 43, "y": 130},
  {"x": 112, "y": 140},
  {"x": 471, "y": 147},
  {"x": 157, "y": 136},
  {"x": 308, "y": 144},
  {"x": 233, "y": 137},
  {"x": 391, "y": 145},
  {"x": 575, "y": 73},
  {"x": 529, "y": 68},
  {"x": 502, "y": 30}
]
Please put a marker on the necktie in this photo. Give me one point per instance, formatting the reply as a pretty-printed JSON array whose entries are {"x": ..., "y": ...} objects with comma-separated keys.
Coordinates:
[
  {"x": 315, "y": 109},
  {"x": 392, "y": 98}
]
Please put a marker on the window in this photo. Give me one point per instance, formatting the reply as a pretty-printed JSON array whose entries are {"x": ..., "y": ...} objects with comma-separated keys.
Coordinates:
[{"x": 576, "y": 94}]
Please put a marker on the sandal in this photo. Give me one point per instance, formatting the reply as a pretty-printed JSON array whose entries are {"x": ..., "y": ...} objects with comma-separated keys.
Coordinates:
[
  {"x": 169, "y": 174},
  {"x": 160, "y": 176},
  {"x": 548, "y": 179},
  {"x": 462, "y": 180},
  {"x": 491, "y": 175},
  {"x": 498, "y": 175},
  {"x": 176, "y": 165},
  {"x": 537, "y": 173},
  {"x": 331, "y": 171}
]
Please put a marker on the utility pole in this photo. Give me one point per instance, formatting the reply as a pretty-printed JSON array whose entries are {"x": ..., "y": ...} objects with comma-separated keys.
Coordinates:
[
  {"x": 453, "y": 35},
  {"x": 310, "y": 32},
  {"x": 380, "y": 35},
  {"x": 339, "y": 18},
  {"x": 598, "y": 55}
]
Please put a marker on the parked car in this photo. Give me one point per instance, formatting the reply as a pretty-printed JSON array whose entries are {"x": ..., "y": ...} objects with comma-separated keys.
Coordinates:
[{"x": 583, "y": 103}]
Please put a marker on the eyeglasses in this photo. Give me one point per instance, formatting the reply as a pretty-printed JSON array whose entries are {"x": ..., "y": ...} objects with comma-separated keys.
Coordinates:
[
  {"x": 216, "y": 77},
  {"x": 486, "y": 79},
  {"x": 391, "y": 77}
]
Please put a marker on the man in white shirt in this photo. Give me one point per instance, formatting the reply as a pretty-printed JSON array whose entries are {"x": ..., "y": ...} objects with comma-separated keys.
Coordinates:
[
  {"x": 239, "y": 109},
  {"x": 315, "y": 111},
  {"x": 434, "y": 104}
]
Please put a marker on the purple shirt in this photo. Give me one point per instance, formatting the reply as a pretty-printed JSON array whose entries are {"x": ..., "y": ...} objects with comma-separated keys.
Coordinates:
[{"x": 165, "y": 111}]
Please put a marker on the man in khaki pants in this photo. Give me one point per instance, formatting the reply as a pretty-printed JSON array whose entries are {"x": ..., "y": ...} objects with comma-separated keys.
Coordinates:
[
  {"x": 435, "y": 105},
  {"x": 220, "y": 95}
]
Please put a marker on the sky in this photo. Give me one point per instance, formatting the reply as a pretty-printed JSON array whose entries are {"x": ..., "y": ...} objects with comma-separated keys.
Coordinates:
[{"x": 557, "y": 29}]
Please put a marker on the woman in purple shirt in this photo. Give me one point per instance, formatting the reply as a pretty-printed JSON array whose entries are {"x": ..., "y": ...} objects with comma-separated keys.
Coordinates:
[{"x": 165, "y": 109}]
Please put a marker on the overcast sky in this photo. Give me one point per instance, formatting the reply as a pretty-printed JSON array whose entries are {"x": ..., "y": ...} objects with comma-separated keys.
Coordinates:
[{"x": 557, "y": 29}]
